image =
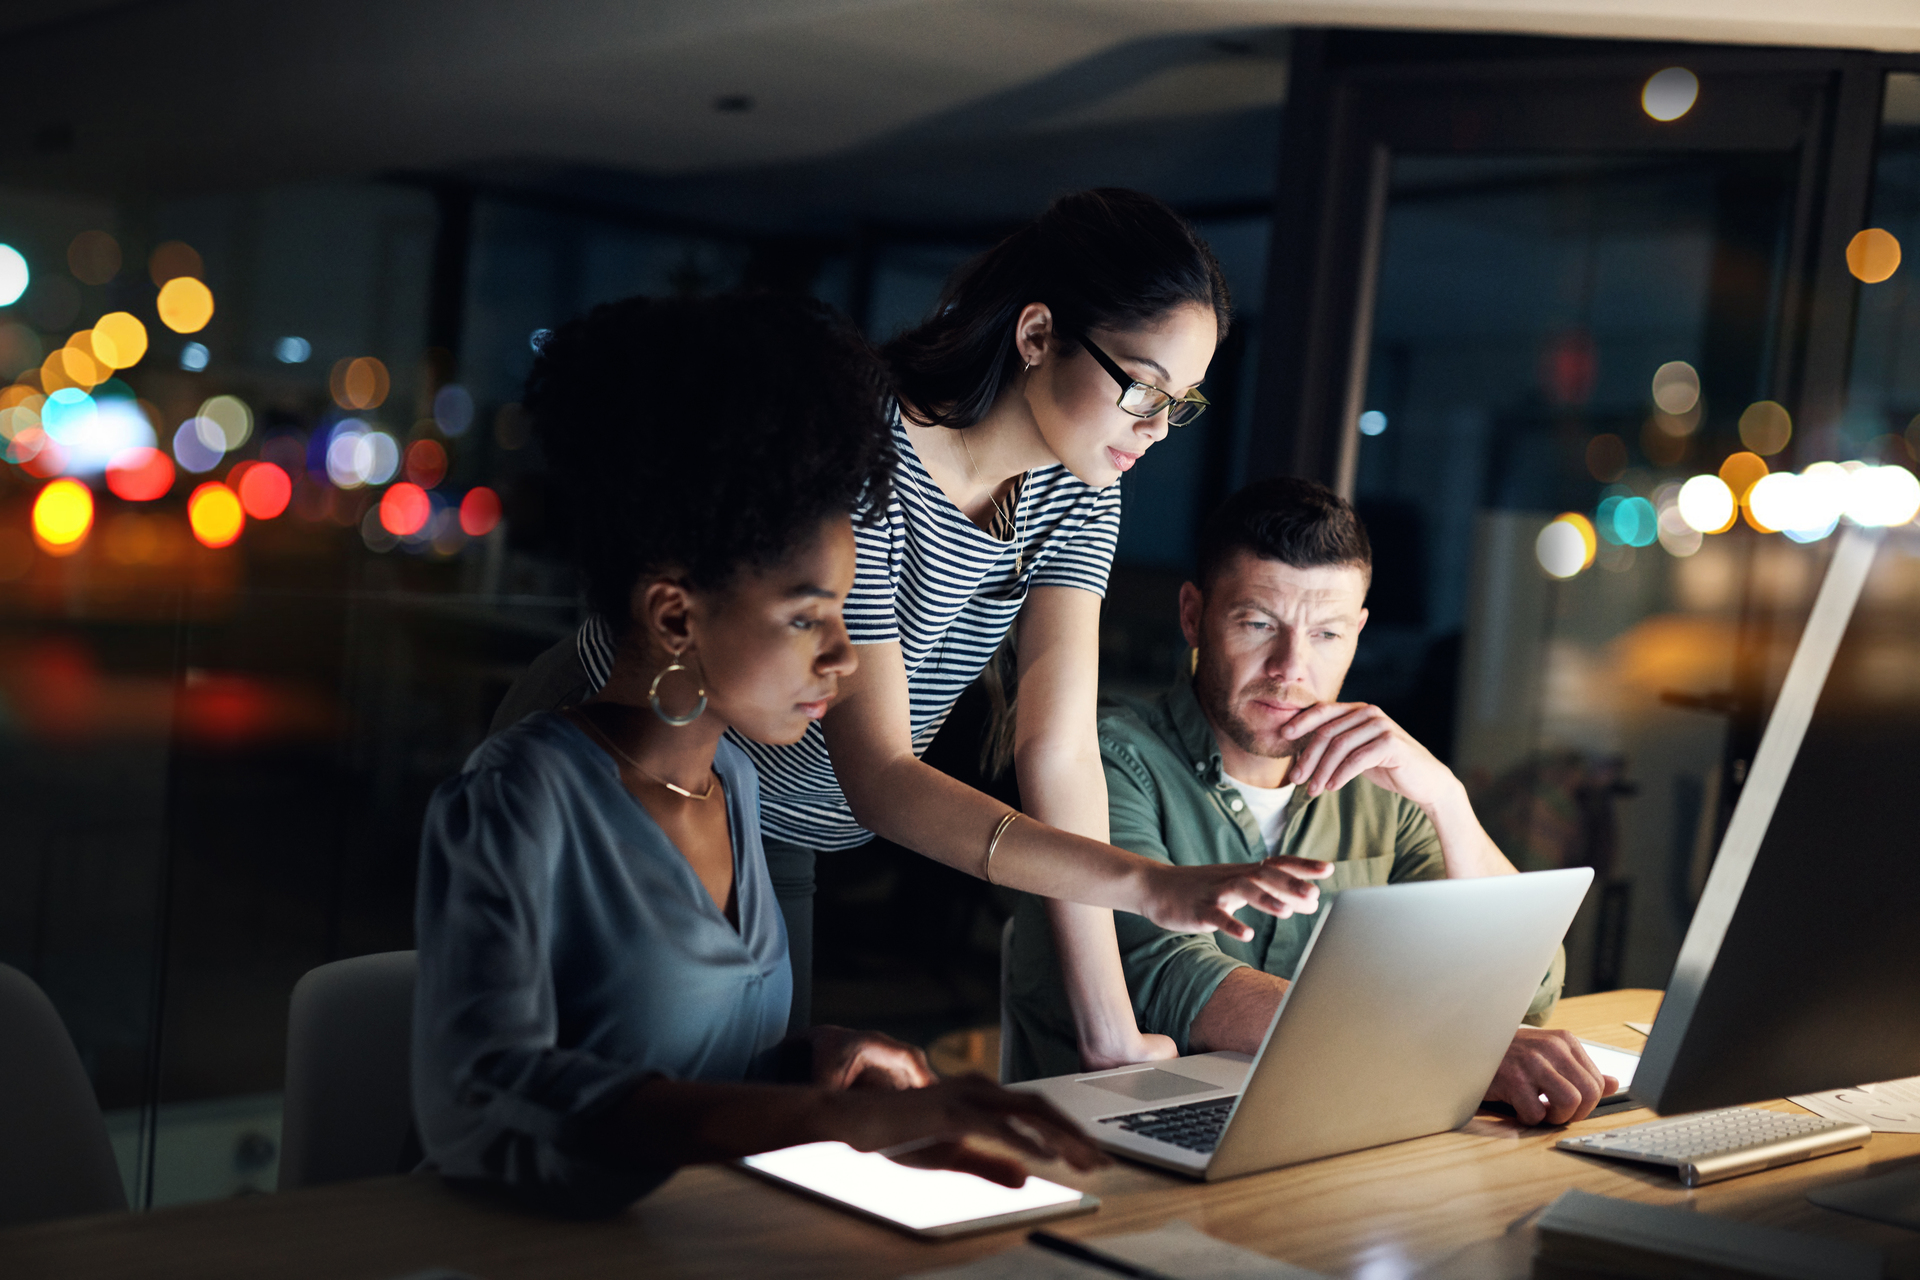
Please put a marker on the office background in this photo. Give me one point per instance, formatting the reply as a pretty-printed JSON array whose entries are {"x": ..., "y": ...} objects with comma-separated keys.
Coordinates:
[{"x": 1479, "y": 286}]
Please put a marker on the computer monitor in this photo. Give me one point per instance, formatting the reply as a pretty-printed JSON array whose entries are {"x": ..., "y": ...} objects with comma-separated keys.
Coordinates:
[{"x": 1801, "y": 969}]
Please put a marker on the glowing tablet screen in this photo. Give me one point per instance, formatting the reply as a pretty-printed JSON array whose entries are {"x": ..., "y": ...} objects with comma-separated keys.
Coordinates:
[
  {"x": 1618, "y": 1063},
  {"x": 917, "y": 1199}
]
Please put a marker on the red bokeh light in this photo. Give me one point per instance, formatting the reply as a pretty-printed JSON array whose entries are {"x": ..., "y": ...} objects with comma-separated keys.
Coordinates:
[
  {"x": 426, "y": 463},
  {"x": 265, "y": 490},
  {"x": 404, "y": 509},
  {"x": 140, "y": 475},
  {"x": 479, "y": 512}
]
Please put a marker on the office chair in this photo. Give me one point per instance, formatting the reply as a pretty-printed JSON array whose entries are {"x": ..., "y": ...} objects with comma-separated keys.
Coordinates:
[
  {"x": 55, "y": 1159},
  {"x": 349, "y": 1101}
]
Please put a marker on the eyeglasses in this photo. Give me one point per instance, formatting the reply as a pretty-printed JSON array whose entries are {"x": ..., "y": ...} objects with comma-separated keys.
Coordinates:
[{"x": 1143, "y": 400}]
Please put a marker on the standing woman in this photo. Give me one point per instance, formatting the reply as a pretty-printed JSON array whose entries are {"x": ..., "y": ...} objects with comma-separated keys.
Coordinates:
[{"x": 1050, "y": 366}]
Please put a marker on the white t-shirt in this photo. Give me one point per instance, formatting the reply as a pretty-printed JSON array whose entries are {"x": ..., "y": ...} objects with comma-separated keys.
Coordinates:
[{"x": 1268, "y": 806}]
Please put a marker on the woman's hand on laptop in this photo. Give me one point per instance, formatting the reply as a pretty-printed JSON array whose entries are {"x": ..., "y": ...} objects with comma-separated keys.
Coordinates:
[
  {"x": 1203, "y": 899},
  {"x": 844, "y": 1059},
  {"x": 928, "y": 1128},
  {"x": 1547, "y": 1078}
]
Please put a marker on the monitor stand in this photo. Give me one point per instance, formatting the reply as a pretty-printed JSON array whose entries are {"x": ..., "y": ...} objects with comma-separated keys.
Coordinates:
[{"x": 1892, "y": 1198}]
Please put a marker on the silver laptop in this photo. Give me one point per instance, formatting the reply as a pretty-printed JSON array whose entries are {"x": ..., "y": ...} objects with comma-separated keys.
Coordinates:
[{"x": 1403, "y": 1005}]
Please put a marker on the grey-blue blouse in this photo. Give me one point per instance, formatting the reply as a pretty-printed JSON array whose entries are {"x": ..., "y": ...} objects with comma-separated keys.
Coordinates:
[{"x": 567, "y": 951}]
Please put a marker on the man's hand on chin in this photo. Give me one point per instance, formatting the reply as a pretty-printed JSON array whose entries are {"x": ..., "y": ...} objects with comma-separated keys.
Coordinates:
[{"x": 1547, "y": 1078}]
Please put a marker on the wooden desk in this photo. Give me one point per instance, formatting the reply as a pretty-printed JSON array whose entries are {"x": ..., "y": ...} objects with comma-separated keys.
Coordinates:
[{"x": 1438, "y": 1207}]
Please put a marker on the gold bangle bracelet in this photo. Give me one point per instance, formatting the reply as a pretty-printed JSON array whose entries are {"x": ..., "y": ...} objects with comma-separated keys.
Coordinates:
[{"x": 993, "y": 843}]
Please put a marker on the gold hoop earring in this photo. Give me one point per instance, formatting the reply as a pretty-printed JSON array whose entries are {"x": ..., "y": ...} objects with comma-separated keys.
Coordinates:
[
  {"x": 653, "y": 695},
  {"x": 1193, "y": 661}
]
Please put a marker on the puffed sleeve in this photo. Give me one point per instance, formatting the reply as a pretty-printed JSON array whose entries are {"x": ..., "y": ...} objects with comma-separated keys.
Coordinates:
[{"x": 495, "y": 1099}]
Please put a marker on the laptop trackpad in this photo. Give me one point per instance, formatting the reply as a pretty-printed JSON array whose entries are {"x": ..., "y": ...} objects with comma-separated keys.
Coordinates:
[{"x": 1150, "y": 1085}]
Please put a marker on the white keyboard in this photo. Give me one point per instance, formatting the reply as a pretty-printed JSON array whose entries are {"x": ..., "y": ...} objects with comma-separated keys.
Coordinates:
[{"x": 1710, "y": 1145}]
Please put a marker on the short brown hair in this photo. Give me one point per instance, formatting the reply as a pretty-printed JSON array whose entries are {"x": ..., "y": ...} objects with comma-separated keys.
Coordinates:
[{"x": 1296, "y": 522}]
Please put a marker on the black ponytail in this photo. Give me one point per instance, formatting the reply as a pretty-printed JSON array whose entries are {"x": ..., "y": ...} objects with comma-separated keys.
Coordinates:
[{"x": 1103, "y": 259}]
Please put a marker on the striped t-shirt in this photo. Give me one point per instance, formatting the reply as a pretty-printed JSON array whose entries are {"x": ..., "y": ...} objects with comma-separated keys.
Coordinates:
[{"x": 947, "y": 591}]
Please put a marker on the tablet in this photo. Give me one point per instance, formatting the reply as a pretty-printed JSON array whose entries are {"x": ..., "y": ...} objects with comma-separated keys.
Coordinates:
[
  {"x": 1618, "y": 1063},
  {"x": 934, "y": 1204}
]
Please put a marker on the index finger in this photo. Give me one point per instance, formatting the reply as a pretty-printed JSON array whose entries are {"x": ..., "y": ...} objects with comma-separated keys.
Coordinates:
[
  {"x": 1307, "y": 719},
  {"x": 1305, "y": 868}
]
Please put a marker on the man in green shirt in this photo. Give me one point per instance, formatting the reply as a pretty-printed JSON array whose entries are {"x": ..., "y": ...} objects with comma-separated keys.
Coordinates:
[{"x": 1250, "y": 756}]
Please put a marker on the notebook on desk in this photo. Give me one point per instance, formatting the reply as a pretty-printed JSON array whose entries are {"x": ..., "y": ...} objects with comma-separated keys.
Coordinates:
[{"x": 1401, "y": 1009}]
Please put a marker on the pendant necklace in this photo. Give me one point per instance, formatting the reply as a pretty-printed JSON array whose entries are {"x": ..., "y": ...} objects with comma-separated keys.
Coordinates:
[
  {"x": 712, "y": 779},
  {"x": 1004, "y": 515}
]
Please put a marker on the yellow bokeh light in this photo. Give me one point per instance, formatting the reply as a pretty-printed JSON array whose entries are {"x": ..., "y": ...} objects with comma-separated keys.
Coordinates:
[
  {"x": 53, "y": 373},
  {"x": 185, "y": 305},
  {"x": 1873, "y": 255},
  {"x": 119, "y": 340},
  {"x": 215, "y": 514},
  {"x": 62, "y": 515},
  {"x": 1741, "y": 471}
]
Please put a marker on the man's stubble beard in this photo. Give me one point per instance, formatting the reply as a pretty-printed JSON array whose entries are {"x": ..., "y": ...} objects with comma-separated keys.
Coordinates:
[{"x": 1209, "y": 686}]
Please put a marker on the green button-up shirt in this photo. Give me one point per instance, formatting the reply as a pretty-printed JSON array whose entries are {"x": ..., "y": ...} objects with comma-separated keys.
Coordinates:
[{"x": 1168, "y": 798}]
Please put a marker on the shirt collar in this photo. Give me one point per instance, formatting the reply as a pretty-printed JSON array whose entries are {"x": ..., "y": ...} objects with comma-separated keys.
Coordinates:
[{"x": 1191, "y": 726}]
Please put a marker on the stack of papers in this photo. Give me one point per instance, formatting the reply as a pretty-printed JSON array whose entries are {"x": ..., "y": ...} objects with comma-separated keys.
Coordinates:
[{"x": 1889, "y": 1107}]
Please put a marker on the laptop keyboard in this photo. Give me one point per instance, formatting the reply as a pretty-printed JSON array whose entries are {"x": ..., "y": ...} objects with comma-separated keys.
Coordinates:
[{"x": 1196, "y": 1125}]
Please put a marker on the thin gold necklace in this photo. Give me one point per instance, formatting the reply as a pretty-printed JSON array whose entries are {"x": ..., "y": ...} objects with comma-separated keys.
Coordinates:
[
  {"x": 1003, "y": 515},
  {"x": 713, "y": 778}
]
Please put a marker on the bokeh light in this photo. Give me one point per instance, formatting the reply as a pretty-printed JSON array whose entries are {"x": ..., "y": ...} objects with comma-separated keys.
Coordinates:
[
  {"x": 224, "y": 423},
  {"x": 360, "y": 383},
  {"x": 426, "y": 463},
  {"x": 404, "y": 509},
  {"x": 70, "y": 366},
  {"x": 1873, "y": 255},
  {"x": 140, "y": 474},
  {"x": 1670, "y": 94},
  {"x": 62, "y": 515},
  {"x": 20, "y": 349},
  {"x": 92, "y": 430},
  {"x": 357, "y": 456},
  {"x": 292, "y": 350},
  {"x": 15, "y": 276},
  {"x": 174, "y": 259},
  {"x": 1626, "y": 521},
  {"x": 93, "y": 257},
  {"x": 215, "y": 515},
  {"x": 1373, "y": 423},
  {"x": 190, "y": 451},
  {"x": 479, "y": 512},
  {"x": 185, "y": 304},
  {"x": 1707, "y": 504},
  {"x": 1676, "y": 387},
  {"x": 119, "y": 339},
  {"x": 1741, "y": 471},
  {"x": 1882, "y": 496},
  {"x": 1677, "y": 537},
  {"x": 194, "y": 357},
  {"x": 1821, "y": 499},
  {"x": 453, "y": 409},
  {"x": 265, "y": 490},
  {"x": 1765, "y": 427},
  {"x": 1566, "y": 546},
  {"x": 1606, "y": 457}
]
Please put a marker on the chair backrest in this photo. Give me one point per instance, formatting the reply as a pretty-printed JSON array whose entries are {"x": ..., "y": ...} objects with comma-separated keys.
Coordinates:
[
  {"x": 349, "y": 1101},
  {"x": 1006, "y": 1021},
  {"x": 55, "y": 1159}
]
